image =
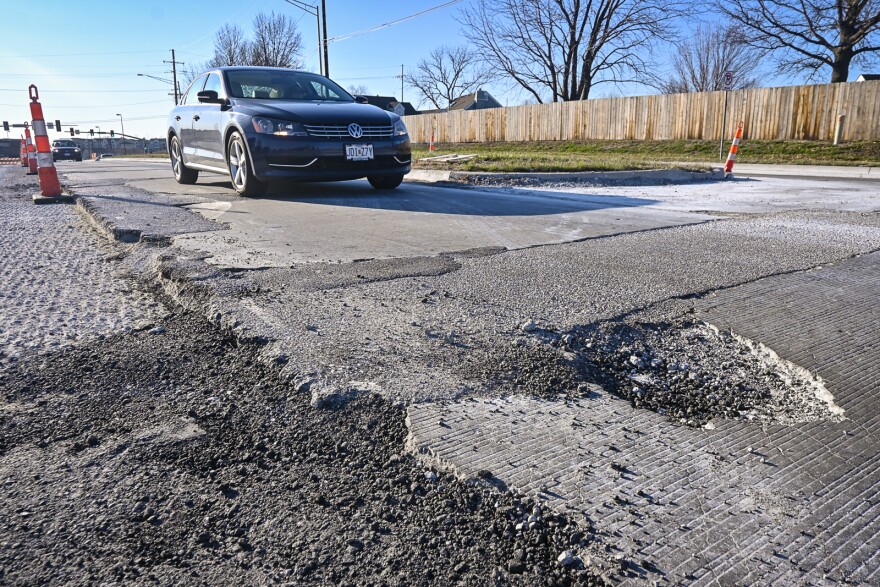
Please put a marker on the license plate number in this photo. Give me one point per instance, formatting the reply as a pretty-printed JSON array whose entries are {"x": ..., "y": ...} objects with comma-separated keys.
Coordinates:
[{"x": 358, "y": 152}]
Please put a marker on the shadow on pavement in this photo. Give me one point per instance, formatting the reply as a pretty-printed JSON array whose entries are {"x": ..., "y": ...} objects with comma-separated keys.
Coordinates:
[{"x": 484, "y": 201}]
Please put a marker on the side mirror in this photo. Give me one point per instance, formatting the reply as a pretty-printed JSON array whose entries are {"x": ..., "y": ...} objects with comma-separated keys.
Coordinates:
[
  {"x": 361, "y": 100},
  {"x": 210, "y": 97}
]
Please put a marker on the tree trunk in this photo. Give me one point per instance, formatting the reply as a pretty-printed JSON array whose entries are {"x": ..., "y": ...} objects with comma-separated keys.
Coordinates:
[{"x": 840, "y": 67}]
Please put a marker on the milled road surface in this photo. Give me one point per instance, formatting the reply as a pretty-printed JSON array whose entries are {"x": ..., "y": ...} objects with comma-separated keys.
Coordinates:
[
  {"x": 138, "y": 445},
  {"x": 514, "y": 365}
]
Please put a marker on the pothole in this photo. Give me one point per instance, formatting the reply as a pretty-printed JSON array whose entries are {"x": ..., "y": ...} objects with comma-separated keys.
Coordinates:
[{"x": 692, "y": 372}]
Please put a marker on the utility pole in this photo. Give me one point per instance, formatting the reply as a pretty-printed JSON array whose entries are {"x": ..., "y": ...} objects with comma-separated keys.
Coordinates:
[
  {"x": 174, "y": 63},
  {"x": 401, "y": 83},
  {"x": 326, "y": 58},
  {"x": 122, "y": 124}
]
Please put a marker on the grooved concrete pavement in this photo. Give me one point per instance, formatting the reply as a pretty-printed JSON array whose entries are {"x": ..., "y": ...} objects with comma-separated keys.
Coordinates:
[
  {"x": 59, "y": 287},
  {"x": 742, "y": 504}
]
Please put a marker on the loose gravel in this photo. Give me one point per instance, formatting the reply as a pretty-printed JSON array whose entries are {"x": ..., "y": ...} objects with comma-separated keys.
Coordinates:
[
  {"x": 172, "y": 455},
  {"x": 140, "y": 444},
  {"x": 692, "y": 372}
]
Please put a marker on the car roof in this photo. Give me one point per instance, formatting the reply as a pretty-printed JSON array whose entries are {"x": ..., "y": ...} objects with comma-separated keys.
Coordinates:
[{"x": 256, "y": 67}]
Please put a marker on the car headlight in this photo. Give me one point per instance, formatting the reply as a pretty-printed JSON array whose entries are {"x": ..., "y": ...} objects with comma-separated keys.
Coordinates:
[
  {"x": 76, "y": 150},
  {"x": 284, "y": 128},
  {"x": 54, "y": 150},
  {"x": 399, "y": 128}
]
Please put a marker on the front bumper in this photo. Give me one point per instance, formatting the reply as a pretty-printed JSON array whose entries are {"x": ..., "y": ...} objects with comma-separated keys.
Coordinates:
[
  {"x": 318, "y": 159},
  {"x": 66, "y": 155}
]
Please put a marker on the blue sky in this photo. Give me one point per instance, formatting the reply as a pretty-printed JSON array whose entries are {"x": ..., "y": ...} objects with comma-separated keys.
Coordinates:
[{"x": 84, "y": 56}]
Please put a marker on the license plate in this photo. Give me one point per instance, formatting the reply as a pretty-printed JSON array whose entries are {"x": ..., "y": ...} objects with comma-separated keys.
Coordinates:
[{"x": 358, "y": 152}]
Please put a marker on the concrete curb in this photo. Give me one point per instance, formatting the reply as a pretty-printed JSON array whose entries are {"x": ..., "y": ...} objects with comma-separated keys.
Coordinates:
[
  {"x": 623, "y": 178},
  {"x": 756, "y": 169}
]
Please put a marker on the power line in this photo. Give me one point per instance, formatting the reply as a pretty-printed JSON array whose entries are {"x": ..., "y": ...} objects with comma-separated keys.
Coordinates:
[
  {"x": 24, "y": 91},
  {"x": 84, "y": 54},
  {"x": 96, "y": 106},
  {"x": 391, "y": 23}
]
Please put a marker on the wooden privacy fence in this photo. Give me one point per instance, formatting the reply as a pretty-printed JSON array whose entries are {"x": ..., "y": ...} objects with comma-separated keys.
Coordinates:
[{"x": 787, "y": 113}]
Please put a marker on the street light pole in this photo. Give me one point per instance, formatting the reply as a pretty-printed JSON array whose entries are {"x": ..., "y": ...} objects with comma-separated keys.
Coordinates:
[
  {"x": 326, "y": 57},
  {"x": 123, "y": 134},
  {"x": 313, "y": 10},
  {"x": 176, "y": 91}
]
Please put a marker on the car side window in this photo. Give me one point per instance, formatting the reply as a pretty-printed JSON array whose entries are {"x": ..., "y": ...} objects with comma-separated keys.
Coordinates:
[
  {"x": 191, "y": 96},
  {"x": 215, "y": 84}
]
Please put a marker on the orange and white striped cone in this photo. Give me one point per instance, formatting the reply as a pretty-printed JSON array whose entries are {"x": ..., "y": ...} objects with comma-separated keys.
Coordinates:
[
  {"x": 50, "y": 187},
  {"x": 734, "y": 149},
  {"x": 23, "y": 155},
  {"x": 431, "y": 146},
  {"x": 31, "y": 155}
]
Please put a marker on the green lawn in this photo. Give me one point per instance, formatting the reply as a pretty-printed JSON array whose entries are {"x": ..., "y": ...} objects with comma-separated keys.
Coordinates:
[{"x": 619, "y": 155}]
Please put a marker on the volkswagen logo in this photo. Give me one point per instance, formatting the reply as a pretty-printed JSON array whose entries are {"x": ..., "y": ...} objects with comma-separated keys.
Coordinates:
[{"x": 355, "y": 130}]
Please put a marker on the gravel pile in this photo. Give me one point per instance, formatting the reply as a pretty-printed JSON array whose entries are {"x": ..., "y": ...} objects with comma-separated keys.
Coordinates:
[
  {"x": 171, "y": 454},
  {"x": 692, "y": 372}
]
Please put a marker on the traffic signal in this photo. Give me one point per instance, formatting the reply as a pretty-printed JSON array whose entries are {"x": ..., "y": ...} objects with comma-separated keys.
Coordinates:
[
  {"x": 111, "y": 133},
  {"x": 71, "y": 131},
  {"x": 6, "y": 125},
  {"x": 91, "y": 132},
  {"x": 57, "y": 125}
]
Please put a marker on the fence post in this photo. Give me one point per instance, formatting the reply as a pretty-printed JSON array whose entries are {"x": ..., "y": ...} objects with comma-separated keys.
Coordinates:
[{"x": 838, "y": 131}]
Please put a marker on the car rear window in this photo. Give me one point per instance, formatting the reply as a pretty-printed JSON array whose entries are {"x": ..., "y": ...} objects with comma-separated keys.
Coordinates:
[{"x": 283, "y": 85}]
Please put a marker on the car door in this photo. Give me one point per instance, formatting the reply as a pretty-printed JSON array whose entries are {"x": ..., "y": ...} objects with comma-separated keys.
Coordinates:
[
  {"x": 185, "y": 117},
  {"x": 206, "y": 127}
]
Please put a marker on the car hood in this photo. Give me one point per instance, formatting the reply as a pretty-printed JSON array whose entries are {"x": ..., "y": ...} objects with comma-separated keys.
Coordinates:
[{"x": 315, "y": 112}]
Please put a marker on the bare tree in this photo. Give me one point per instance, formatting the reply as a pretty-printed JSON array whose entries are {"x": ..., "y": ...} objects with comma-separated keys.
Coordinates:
[
  {"x": 560, "y": 49},
  {"x": 448, "y": 73},
  {"x": 806, "y": 35},
  {"x": 700, "y": 63},
  {"x": 231, "y": 47},
  {"x": 358, "y": 90},
  {"x": 276, "y": 41}
]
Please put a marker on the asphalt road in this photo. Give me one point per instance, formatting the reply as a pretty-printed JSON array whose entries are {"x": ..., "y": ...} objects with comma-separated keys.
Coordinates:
[
  {"x": 350, "y": 221},
  {"x": 671, "y": 365}
]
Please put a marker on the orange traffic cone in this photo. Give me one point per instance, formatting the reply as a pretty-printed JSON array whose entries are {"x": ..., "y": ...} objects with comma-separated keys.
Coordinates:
[
  {"x": 31, "y": 157},
  {"x": 734, "y": 148},
  {"x": 24, "y": 157},
  {"x": 50, "y": 187}
]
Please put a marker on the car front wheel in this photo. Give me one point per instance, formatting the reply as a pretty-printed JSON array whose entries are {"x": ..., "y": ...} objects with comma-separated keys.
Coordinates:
[
  {"x": 385, "y": 182},
  {"x": 182, "y": 173},
  {"x": 241, "y": 172}
]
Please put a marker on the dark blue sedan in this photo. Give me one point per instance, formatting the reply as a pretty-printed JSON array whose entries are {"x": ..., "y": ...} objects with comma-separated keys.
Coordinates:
[{"x": 259, "y": 124}]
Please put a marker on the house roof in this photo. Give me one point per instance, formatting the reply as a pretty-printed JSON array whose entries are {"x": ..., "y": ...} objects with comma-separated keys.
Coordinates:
[
  {"x": 869, "y": 77},
  {"x": 477, "y": 100}
]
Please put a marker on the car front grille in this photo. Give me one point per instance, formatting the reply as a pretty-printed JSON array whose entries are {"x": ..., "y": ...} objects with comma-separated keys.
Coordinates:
[{"x": 340, "y": 131}]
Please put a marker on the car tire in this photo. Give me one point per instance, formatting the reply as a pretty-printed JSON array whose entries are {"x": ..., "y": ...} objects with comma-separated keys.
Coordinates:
[
  {"x": 385, "y": 182},
  {"x": 241, "y": 172},
  {"x": 182, "y": 173}
]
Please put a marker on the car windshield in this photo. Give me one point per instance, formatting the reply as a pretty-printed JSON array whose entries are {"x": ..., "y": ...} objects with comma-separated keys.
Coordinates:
[
  {"x": 65, "y": 144},
  {"x": 283, "y": 85}
]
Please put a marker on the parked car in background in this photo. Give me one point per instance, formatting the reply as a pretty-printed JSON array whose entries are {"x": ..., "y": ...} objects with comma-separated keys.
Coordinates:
[
  {"x": 259, "y": 124},
  {"x": 66, "y": 149}
]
